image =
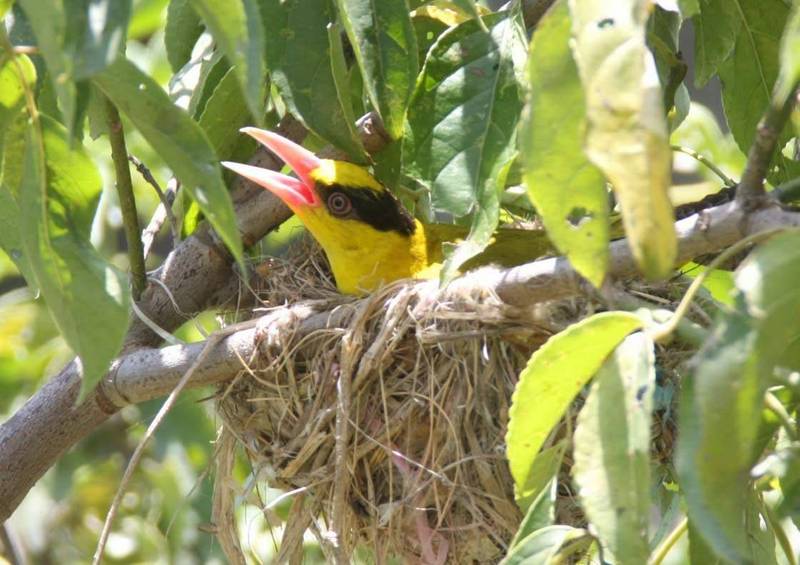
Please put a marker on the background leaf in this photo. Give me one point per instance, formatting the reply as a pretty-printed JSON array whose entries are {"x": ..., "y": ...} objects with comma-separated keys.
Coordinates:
[
  {"x": 385, "y": 47},
  {"x": 612, "y": 449},
  {"x": 789, "y": 73},
  {"x": 88, "y": 298},
  {"x": 237, "y": 29},
  {"x": 298, "y": 60},
  {"x": 716, "y": 28},
  {"x": 542, "y": 546},
  {"x": 749, "y": 74},
  {"x": 627, "y": 131},
  {"x": 543, "y": 394},
  {"x": 104, "y": 33},
  {"x": 179, "y": 140},
  {"x": 183, "y": 28},
  {"x": 568, "y": 191}
]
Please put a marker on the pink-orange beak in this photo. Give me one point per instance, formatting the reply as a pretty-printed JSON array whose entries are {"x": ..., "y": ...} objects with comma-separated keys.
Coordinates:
[{"x": 295, "y": 193}]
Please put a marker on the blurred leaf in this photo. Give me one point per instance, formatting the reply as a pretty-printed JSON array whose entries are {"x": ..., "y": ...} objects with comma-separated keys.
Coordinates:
[
  {"x": 612, "y": 449},
  {"x": 87, "y": 297},
  {"x": 789, "y": 73},
  {"x": 541, "y": 512},
  {"x": 190, "y": 87},
  {"x": 718, "y": 282},
  {"x": 179, "y": 140},
  {"x": 462, "y": 120},
  {"x": 542, "y": 547},
  {"x": 224, "y": 113},
  {"x": 699, "y": 551},
  {"x": 568, "y": 191},
  {"x": 385, "y": 47},
  {"x": 49, "y": 20},
  {"x": 237, "y": 29},
  {"x": 716, "y": 28},
  {"x": 5, "y": 5},
  {"x": 720, "y": 408},
  {"x": 12, "y": 89},
  {"x": 750, "y": 73},
  {"x": 298, "y": 58},
  {"x": 147, "y": 18},
  {"x": 183, "y": 29},
  {"x": 471, "y": 7},
  {"x": 627, "y": 132},
  {"x": 105, "y": 29},
  {"x": 543, "y": 394},
  {"x": 689, "y": 8}
]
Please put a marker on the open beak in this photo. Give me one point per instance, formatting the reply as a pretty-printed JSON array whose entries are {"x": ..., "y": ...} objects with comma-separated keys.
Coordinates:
[{"x": 295, "y": 193}]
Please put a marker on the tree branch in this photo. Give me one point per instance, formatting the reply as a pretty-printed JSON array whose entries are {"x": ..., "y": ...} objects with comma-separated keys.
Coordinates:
[{"x": 127, "y": 203}]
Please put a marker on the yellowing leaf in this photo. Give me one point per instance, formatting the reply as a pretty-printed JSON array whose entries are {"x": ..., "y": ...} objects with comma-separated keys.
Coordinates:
[{"x": 627, "y": 130}]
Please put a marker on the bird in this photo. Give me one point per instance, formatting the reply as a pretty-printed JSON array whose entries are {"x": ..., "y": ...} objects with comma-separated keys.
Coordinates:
[{"x": 368, "y": 236}]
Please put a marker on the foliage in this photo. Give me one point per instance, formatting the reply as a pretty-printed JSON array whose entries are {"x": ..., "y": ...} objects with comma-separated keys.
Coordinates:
[{"x": 581, "y": 111}]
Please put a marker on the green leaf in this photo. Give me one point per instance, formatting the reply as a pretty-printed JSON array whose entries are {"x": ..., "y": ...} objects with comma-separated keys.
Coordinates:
[
  {"x": 87, "y": 297},
  {"x": 689, "y": 8},
  {"x": 190, "y": 87},
  {"x": 568, "y": 191},
  {"x": 13, "y": 123},
  {"x": 789, "y": 73},
  {"x": 749, "y": 74},
  {"x": 720, "y": 409},
  {"x": 385, "y": 47},
  {"x": 224, "y": 114},
  {"x": 147, "y": 18},
  {"x": 341, "y": 78},
  {"x": 716, "y": 28},
  {"x": 179, "y": 140},
  {"x": 699, "y": 551},
  {"x": 627, "y": 131},
  {"x": 104, "y": 33},
  {"x": 299, "y": 62},
  {"x": 663, "y": 31},
  {"x": 48, "y": 20},
  {"x": 237, "y": 29},
  {"x": 543, "y": 393},
  {"x": 5, "y": 6},
  {"x": 612, "y": 449},
  {"x": 543, "y": 546},
  {"x": 183, "y": 29},
  {"x": 541, "y": 512},
  {"x": 462, "y": 120}
]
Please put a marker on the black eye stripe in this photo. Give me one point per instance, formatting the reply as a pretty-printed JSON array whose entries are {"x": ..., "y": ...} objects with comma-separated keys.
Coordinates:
[{"x": 380, "y": 209}]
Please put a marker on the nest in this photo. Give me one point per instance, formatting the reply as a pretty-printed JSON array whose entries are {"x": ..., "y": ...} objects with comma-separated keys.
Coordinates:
[{"x": 387, "y": 425}]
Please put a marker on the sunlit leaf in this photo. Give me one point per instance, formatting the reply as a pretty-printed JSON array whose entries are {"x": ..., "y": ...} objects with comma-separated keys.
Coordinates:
[
  {"x": 612, "y": 449},
  {"x": 87, "y": 297},
  {"x": 237, "y": 29},
  {"x": 789, "y": 73},
  {"x": 179, "y": 140},
  {"x": 720, "y": 409},
  {"x": 627, "y": 131},
  {"x": 385, "y": 47},
  {"x": 543, "y": 393},
  {"x": 298, "y": 60},
  {"x": 183, "y": 28},
  {"x": 541, "y": 512},
  {"x": 568, "y": 191}
]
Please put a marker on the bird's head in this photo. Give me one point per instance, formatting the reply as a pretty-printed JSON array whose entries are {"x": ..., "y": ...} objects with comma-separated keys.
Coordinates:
[{"x": 355, "y": 219}]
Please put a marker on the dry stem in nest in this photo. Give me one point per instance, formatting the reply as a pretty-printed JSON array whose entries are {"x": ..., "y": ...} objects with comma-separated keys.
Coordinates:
[{"x": 430, "y": 376}]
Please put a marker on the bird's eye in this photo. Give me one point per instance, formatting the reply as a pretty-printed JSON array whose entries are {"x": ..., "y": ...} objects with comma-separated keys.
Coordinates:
[{"x": 339, "y": 204}]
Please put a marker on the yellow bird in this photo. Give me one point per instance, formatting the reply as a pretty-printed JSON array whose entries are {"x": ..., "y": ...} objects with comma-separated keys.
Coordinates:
[{"x": 368, "y": 236}]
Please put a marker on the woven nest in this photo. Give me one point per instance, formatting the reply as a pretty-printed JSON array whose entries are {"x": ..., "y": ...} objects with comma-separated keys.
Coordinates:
[{"x": 420, "y": 382}]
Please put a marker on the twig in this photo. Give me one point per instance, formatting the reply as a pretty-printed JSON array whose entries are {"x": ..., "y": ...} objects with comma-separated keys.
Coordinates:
[
  {"x": 700, "y": 158},
  {"x": 119, "y": 154},
  {"x": 210, "y": 343},
  {"x": 751, "y": 194},
  {"x": 163, "y": 211}
]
